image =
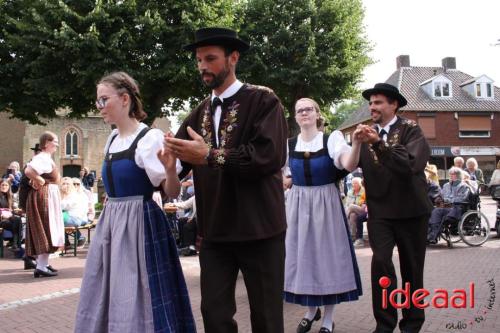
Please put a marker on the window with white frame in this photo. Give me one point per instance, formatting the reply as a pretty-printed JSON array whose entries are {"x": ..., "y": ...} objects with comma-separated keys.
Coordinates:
[
  {"x": 442, "y": 89},
  {"x": 71, "y": 143},
  {"x": 484, "y": 90}
]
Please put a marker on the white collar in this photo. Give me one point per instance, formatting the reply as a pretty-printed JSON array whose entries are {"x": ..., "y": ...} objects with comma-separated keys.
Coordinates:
[
  {"x": 230, "y": 91},
  {"x": 388, "y": 126}
]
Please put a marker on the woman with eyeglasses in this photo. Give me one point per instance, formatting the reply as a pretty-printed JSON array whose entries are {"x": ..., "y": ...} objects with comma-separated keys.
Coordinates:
[
  {"x": 320, "y": 264},
  {"x": 45, "y": 227},
  {"x": 133, "y": 279}
]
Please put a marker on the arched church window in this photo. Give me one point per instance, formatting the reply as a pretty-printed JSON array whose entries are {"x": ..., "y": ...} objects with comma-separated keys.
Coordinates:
[{"x": 71, "y": 143}]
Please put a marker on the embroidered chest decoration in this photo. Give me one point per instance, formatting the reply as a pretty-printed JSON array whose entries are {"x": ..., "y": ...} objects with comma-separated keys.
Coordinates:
[
  {"x": 228, "y": 126},
  {"x": 392, "y": 140}
]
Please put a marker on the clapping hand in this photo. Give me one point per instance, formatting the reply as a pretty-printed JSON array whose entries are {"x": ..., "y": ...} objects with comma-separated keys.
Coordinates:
[
  {"x": 192, "y": 151},
  {"x": 165, "y": 155}
]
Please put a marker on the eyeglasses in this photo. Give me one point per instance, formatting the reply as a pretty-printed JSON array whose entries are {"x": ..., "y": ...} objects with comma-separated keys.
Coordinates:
[
  {"x": 101, "y": 102},
  {"x": 306, "y": 110}
]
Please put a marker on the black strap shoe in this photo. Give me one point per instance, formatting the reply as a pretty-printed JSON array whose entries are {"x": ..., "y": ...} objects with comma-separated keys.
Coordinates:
[
  {"x": 305, "y": 324},
  {"x": 39, "y": 273},
  {"x": 52, "y": 269}
]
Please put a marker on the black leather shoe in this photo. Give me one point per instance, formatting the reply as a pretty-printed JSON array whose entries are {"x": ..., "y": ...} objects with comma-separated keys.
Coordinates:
[
  {"x": 29, "y": 263},
  {"x": 39, "y": 273},
  {"x": 52, "y": 269},
  {"x": 326, "y": 330},
  {"x": 305, "y": 324}
]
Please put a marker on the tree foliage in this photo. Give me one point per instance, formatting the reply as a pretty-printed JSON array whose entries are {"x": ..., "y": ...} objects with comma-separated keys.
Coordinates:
[
  {"x": 53, "y": 52},
  {"x": 305, "y": 48},
  {"x": 341, "y": 112}
]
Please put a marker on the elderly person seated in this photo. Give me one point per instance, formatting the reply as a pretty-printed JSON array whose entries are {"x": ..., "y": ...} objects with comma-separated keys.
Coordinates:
[
  {"x": 356, "y": 212},
  {"x": 473, "y": 170},
  {"x": 187, "y": 225},
  {"x": 454, "y": 193}
]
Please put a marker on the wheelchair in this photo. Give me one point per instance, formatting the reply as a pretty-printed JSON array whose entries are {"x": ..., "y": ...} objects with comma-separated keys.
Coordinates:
[{"x": 473, "y": 228}]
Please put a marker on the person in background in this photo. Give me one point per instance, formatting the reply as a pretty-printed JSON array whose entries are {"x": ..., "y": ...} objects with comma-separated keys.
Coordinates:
[
  {"x": 186, "y": 225},
  {"x": 8, "y": 219},
  {"x": 458, "y": 162},
  {"x": 133, "y": 279},
  {"x": 472, "y": 184},
  {"x": 473, "y": 170},
  {"x": 24, "y": 189},
  {"x": 454, "y": 193},
  {"x": 74, "y": 205},
  {"x": 13, "y": 176},
  {"x": 87, "y": 178},
  {"x": 45, "y": 226},
  {"x": 320, "y": 263},
  {"x": 433, "y": 189},
  {"x": 356, "y": 210},
  {"x": 495, "y": 179},
  {"x": 86, "y": 196}
]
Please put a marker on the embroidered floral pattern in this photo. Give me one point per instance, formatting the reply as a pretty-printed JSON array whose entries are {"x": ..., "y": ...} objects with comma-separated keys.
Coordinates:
[{"x": 228, "y": 126}]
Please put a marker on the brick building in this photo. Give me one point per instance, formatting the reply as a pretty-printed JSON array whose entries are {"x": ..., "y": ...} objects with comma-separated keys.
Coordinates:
[
  {"x": 459, "y": 114},
  {"x": 81, "y": 141}
]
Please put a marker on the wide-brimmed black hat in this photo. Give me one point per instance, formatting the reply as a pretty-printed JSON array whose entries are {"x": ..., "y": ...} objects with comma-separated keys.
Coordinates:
[
  {"x": 385, "y": 89},
  {"x": 36, "y": 148},
  {"x": 217, "y": 36}
]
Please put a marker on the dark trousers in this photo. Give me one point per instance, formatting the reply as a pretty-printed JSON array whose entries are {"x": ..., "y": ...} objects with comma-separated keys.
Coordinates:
[
  {"x": 410, "y": 236},
  {"x": 14, "y": 225},
  {"x": 262, "y": 265},
  {"x": 187, "y": 232}
]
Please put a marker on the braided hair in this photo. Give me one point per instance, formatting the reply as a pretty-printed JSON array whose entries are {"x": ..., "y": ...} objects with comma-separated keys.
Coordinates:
[{"x": 125, "y": 84}]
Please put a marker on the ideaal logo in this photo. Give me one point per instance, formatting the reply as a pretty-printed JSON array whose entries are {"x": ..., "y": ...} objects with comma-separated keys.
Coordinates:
[
  {"x": 482, "y": 313},
  {"x": 440, "y": 299}
]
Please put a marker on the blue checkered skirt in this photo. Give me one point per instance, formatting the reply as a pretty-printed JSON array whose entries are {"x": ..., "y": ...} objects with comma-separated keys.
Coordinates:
[{"x": 133, "y": 279}]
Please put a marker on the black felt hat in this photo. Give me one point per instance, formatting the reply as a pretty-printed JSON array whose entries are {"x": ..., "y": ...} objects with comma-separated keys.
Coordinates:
[
  {"x": 36, "y": 148},
  {"x": 385, "y": 89},
  {"x": 217, "y": 36}
]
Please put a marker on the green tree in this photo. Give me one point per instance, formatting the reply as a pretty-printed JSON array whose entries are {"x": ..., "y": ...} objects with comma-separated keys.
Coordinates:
[
  {"x": 53, "y": 52},
  {"x": 341, "y": 112},
  {"x": 313, "y": 48}
]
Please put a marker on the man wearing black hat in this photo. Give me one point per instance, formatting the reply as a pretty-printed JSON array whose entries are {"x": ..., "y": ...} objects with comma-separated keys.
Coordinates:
[
  {"x": 393, "y": 156},
  {"x": 235, "y": 143}
]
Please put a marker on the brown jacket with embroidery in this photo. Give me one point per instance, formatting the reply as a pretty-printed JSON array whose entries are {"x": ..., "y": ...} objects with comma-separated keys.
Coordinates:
[
  {"x": 239, "y": 194},
  {"x": 393, "y": 172}
]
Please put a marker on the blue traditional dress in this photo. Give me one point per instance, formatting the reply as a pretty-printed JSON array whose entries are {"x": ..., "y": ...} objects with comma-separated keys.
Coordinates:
[
  {"x": 320, "y": 264},
  {"x": 133, "y": 279}
]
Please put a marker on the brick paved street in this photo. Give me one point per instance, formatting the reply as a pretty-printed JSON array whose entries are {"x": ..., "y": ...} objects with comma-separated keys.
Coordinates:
[{"x": 48, "y": 305}]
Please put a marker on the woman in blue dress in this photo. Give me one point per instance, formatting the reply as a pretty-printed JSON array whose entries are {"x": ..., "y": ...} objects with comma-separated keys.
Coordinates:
[
  {"x": 133, "y": 279},
  {"x": 320, "y": 264}
]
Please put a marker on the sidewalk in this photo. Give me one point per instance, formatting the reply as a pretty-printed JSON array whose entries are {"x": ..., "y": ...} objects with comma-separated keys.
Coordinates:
[{"x": 49, "y": 304}]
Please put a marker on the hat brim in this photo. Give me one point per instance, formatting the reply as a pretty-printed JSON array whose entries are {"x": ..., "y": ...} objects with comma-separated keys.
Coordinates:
[
  {"x": 235, "y": 43},
  {"x": 386, "y": 92}
]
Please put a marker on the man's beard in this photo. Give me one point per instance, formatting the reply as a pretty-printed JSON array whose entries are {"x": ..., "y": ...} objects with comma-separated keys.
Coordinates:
[{"x": 217, "y": 80}]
